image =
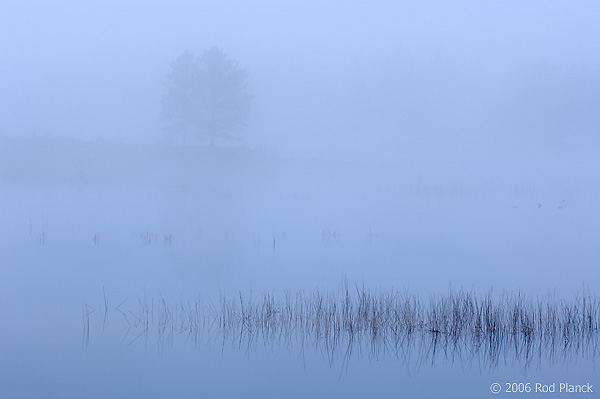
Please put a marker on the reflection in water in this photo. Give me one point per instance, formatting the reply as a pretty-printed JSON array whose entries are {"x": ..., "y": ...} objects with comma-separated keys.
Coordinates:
[{"x": 458, "y": 326}]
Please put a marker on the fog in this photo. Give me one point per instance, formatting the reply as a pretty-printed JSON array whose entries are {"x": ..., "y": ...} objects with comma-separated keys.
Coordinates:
[
  {"x": 383, "y": 80},
  {"x": 158, "y": 150}
]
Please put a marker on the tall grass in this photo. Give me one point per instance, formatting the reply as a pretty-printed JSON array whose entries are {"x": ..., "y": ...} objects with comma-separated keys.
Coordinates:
[{"x": 458, "y": 322}]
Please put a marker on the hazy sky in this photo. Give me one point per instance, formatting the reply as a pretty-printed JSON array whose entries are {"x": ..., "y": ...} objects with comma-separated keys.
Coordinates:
[{"x": 324, "y": 73}]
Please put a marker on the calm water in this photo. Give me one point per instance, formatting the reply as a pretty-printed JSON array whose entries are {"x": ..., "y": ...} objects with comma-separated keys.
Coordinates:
[{"x": 64, "y": 251}]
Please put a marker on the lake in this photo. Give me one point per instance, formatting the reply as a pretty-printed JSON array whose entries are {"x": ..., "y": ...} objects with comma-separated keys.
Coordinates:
[{"x": 121, "y": 290}]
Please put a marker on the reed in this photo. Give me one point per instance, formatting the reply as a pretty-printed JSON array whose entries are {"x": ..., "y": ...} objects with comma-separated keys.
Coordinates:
[{"x": 459, "y": 320}]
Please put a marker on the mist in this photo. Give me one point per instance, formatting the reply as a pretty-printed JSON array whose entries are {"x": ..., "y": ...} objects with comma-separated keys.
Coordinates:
[
  {"x": 353, "y": 81},
  {"x": 160, "y": 157}
]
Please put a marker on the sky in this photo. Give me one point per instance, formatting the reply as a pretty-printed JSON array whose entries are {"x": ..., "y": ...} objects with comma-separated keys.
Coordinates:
[{"x": 331, "y": 79}]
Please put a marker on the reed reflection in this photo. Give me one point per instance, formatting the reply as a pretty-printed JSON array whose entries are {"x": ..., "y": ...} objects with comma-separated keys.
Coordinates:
[{"x": 458, "y": 326}]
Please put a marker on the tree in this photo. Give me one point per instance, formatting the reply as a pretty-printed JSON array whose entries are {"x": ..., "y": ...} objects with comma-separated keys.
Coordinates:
[
  {"x": 206, "y": 96},
  {"x": 179, "y": 103}
]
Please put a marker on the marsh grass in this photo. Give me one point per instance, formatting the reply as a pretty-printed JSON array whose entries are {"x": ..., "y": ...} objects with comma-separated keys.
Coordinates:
[
  {"x": 149, "y": 238},
  {"x": 41, "y": 237},
  {"x": 86, "y": 311},
  {"x": 342, "y": 323}
]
